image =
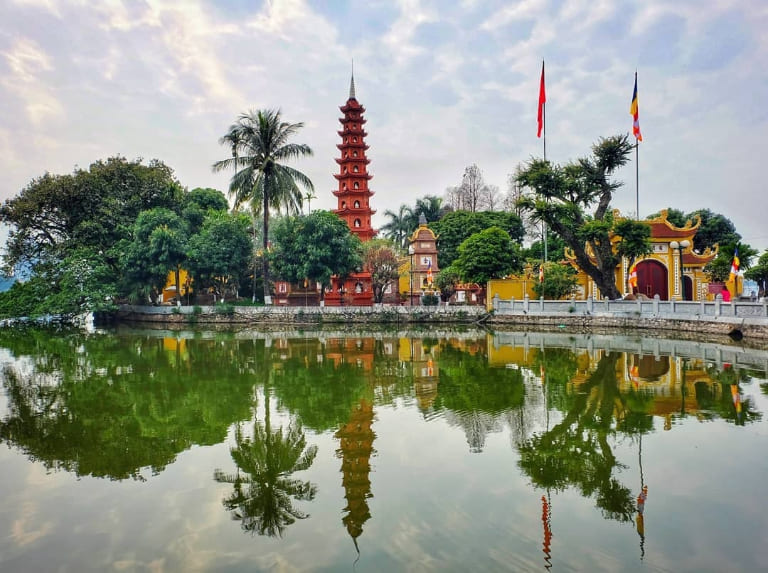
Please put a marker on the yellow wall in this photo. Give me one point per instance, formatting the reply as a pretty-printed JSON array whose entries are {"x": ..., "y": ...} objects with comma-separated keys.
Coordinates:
[{"x": 514, "y": 287}]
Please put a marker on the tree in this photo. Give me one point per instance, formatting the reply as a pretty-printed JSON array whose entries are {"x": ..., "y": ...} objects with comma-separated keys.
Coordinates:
[
  {"x": 315, "y": 247},
  {"x": 159, "y": 246},
  {"x": 759, "y": 273},
  {"x": 472, "y": 194},
  {"x": 487, "y": 255},
  {"x": 559, "y": 281},
  {"x": 446, "y": 282},
  {"x": 198, "y": 202},
  {"x": 455, "y": 227},
  {"x": 260, "y": 143},
  {"x": 562, "y": 196},
  {"x": 380, "y": 259},
  {"x": 400, "y": 226},
  {"x": 720, "y": 268},
  {"x": 220, "y": 254},
  {"x": 431, "y": 207},
  {"x": 715, "y": 229},
  {"x": 94, "y": 209}
]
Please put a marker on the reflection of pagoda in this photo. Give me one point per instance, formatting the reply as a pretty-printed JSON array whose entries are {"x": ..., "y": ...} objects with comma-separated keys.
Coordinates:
[
  {"x": 356, "y": 446},
  {"x": 353, "y": 198}
]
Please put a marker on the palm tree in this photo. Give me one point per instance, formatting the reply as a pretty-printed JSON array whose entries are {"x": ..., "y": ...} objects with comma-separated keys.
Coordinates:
[
  {"x": 262, "y": 494},
  {"x": 431, "y": 207},
  {"x": 400, "y": 226},
  {"x": 259, "y": 143}
]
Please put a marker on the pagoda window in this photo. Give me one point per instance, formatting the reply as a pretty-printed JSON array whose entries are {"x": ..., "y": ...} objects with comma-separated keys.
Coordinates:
[
  {"x": 357, "y": 223},
  {"x": 354, "y": 154},
  {"x": 344, "y": 186},
  {"x": 343, "y": 204},
  {"x": 354, "y": 140},
  {"x": 346, "y": 154},
  {"x": 357, "y": 185},
  {"x": 356, "y": 169},
  {"x": 357, "y": 204},
  {"x": 344, "y": 170}
]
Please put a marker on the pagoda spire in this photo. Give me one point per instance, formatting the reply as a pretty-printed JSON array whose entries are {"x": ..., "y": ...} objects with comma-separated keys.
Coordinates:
[{"x": 352, "y": 82}]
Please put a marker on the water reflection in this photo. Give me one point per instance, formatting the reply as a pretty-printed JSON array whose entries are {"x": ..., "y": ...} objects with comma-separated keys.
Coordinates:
[{"x": 123, "y": 406}]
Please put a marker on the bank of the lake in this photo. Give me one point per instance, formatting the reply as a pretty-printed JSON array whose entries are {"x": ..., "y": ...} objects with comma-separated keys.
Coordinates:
[{"x": 743, "y": 321}]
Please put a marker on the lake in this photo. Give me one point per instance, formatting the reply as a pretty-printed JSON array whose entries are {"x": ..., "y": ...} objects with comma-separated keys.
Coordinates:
[{"x": 153, "y": 450}]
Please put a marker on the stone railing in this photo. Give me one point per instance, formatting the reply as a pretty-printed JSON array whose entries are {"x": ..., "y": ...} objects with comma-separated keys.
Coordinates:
[
  {"x": 647, "y": 308},
  {"x": 710, "y": 317}
]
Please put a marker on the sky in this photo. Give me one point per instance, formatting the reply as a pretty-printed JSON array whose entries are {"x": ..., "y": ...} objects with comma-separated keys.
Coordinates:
[{"x": 445, "y": 85}]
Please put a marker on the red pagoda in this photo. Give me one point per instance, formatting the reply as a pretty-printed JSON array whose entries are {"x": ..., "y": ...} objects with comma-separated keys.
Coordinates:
[{"x": 353, "y": 196}]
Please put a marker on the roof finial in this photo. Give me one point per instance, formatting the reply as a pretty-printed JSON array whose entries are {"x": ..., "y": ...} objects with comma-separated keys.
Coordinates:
[{"x": 352, "y": 83}]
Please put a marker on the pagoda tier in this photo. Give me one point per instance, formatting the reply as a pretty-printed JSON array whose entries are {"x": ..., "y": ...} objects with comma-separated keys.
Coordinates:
[{"x": 353, "y": 195}]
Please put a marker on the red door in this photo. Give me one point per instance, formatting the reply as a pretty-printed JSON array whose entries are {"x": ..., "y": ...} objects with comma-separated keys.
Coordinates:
[{"x": 652, "y": 279}]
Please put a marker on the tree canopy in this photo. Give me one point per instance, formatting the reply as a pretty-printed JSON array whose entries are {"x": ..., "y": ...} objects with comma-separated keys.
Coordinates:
[
  {"x": 314, "y": 247},
  {"x": 574, "y": 200},
  {"x": 457, "y": 226},
  {"x": 487, "y": 255}
]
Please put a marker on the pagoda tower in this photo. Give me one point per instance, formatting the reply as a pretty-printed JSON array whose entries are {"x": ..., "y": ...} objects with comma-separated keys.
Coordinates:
[
  {"x": 353, "y": 194},
  {"x": 353, "y": 197}
]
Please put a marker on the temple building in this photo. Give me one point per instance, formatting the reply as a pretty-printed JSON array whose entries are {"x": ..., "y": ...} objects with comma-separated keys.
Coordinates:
[
  {"x": 418, "y": 271},
  {"x": 353, "y": 200},
  {"x": 673, "y": 270}
]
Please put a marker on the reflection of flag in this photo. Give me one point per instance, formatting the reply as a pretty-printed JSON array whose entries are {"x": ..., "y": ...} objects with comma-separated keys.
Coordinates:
[
  {"x": 635, "y": 113},
  {"x": 736, "y": 397},
  {"x": 542, "y": 372},
  {"x": 633, "y": 275},
  {"x": 542, "y": 101},
  {"x": 430, "y": 368},
  {"x": 634, "y": 375},
  {"x": 735, "y": 264},
  {"x": 541, "y": 273}
]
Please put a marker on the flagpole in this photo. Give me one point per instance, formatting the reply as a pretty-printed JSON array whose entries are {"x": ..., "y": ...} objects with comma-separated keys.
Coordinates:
[
  {"x": 637, "y": 180},
  {"x": 544, "y": 129}
]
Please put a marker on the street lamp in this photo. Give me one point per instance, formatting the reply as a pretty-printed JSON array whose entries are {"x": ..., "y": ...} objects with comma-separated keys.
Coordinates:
[
  {"x": 411, "y": 252},
  {"x": 680, "y": 247}
]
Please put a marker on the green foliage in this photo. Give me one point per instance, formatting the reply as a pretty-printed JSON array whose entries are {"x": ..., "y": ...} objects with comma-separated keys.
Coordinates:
[
  {"x": 220, "y": 255},
  {"x": 430, "y": 299},
  {"x": 759, "y": 273},
  {"x": 555, "y": 249},
  {"x": 715, "y": 229},
  {"x": 634, "y": 239},
  {"x": 446, "y": 282},
  {"x": 559, "y": 281},
  {"x": 197, "y": 204},
  {"x": 314, "y": 247},
  {"x": 92, "y": 209},
  {"x": 574, "y": 201},
  {"x": 159, "y": 246},
  {"x": 455, "y": 227},
  {"x": 719, "y": 270},
  {"x": 487, "y": 255}
]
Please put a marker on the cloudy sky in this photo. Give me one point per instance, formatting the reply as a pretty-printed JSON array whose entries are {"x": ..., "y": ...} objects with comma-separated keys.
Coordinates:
[{"x": 445, "y": 84}]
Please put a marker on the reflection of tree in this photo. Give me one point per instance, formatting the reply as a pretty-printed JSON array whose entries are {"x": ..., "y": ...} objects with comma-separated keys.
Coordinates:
[
  {"x": 576, "y": 451},
  {"x": 110, "y": 406},
  {"x": 263, "y": 487},
  {"x": 728, "y": 403},
  {"x": 477, "y": 397}
]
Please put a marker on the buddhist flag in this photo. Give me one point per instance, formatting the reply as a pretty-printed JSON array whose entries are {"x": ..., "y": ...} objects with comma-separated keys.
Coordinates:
[
  {"x": 429, "y": 272},
  {"x": 541, "y": 273},
  {"x": 542, "y": 101},
  {"x": 634, "y": 111},
  {"x": 633, "y": 276},
  {"x": 735, "y": 264}
]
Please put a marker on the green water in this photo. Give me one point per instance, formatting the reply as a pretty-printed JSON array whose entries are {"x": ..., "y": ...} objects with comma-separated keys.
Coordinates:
[{"x": 378, "y": 451}]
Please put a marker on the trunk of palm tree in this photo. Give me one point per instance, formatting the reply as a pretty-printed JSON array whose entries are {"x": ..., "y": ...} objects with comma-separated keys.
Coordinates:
[{"x": 265, "y": 257}]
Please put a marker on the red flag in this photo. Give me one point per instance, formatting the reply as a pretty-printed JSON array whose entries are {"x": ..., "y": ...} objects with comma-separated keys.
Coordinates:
[{"x": 542, "y": 101}]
